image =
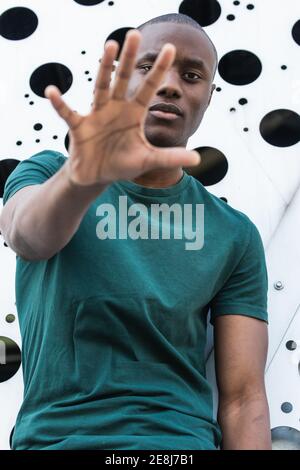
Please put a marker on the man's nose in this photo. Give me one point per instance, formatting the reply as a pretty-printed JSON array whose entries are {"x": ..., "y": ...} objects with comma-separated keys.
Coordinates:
[{"x": 170, "y": 85}]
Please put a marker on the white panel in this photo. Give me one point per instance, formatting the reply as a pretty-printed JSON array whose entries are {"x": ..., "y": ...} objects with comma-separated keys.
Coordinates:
[
  {"x": 283, "y": 379},
  {"x": 262, "y": 180}
]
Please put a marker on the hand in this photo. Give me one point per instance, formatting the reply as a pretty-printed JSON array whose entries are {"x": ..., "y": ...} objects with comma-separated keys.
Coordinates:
[{"x": 109, "y": 144}]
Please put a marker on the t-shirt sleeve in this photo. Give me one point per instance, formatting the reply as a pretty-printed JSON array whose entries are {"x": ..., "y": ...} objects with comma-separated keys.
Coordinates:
[
  {"x": 246, "y": 290},
  {"x": 34, "y": 170}
]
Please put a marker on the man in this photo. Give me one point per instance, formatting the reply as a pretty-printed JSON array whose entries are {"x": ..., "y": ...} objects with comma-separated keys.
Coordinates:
[{"x": 113, "y": 321}]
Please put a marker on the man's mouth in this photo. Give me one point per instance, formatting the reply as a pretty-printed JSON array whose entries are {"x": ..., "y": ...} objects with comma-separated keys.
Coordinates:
[
  {"x": 163, "y": 115},
  {"x": 167, "y": 111}
]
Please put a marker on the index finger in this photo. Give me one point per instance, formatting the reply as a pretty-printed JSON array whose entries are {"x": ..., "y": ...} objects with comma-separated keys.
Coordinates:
[{"x": 154, "y": 77}]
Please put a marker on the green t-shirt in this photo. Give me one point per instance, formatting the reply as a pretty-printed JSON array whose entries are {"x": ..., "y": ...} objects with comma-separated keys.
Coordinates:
[{"x": 114, "y": 329}]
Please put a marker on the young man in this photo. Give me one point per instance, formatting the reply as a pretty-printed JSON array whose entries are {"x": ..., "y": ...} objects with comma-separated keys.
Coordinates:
[{"x": 113, "y": 314}]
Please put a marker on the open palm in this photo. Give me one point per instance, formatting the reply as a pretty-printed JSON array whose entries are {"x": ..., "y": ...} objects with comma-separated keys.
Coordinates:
[{"x": 109, "y": 143}]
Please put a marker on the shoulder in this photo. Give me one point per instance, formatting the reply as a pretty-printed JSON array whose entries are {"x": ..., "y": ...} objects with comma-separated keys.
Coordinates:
[
  {"x": 46, "y": 156},
  {"x": 33, "y": 170},
  {"x": 222, "y": 215}
]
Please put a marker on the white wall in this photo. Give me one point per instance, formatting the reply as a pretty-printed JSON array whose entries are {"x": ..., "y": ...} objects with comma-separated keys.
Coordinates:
[{"x": 262, "y": 178}]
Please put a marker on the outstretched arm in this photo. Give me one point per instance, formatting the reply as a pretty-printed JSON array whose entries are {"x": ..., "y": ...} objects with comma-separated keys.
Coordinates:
[{"x": 106, "y": 145}]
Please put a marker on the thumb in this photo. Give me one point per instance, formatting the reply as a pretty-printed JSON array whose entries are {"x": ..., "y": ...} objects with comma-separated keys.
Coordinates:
[{"x": 171, "y": 157}]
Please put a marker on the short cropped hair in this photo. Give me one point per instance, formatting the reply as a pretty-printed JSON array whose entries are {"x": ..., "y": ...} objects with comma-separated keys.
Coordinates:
[{"x": 179, "y": 18}]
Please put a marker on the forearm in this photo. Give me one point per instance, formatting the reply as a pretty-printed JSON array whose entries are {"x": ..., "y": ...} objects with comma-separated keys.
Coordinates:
[
  {"x": 245, "y": 425},
  {"x": 49, "y": 217}
]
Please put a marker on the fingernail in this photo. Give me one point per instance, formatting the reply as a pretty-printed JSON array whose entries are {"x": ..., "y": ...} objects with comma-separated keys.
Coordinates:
[
  {"x": 198, "y": 157},
  {"x": 169, "y": 44}
]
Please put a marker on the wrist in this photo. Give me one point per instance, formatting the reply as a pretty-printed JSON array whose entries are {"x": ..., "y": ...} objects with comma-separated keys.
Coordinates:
[
  {"x": 76, "y": 191},
  {"x": 77, "y": 188}
]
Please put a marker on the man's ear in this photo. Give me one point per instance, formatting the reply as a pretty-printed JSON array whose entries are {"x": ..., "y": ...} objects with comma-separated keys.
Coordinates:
[{"x": 212, "y": 89}]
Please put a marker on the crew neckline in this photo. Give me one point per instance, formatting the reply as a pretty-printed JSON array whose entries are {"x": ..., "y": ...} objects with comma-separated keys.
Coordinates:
[{"x": 167, "y": 191}]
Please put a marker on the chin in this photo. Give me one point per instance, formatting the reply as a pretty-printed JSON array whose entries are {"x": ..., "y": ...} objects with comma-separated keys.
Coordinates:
[{"x": 161, "y": 139}]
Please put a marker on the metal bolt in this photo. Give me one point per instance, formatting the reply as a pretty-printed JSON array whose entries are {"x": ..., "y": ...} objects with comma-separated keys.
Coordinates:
[{"x": 278, "y": 285}]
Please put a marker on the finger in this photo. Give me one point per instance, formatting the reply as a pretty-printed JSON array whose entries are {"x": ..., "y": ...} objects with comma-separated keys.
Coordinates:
[
  {"x": 72, "y": 118},
  {"x": 102, "y": 85},
  {"x": 126, "y": 66},
  {"x": 171, "y": 158},
  {"x": 149, "y": 86}
]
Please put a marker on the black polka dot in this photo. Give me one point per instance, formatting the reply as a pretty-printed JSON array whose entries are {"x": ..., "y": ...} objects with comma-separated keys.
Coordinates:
[
  {"x": 38, "y": 127},
  {"x": 67, "y": 142},
  {"x": 284, "y": 67},
  {"x": 236, "y": 2},
  {"x": 119, "y": 36},
  {"x": 286, "y": 407},
  {"x": 239, "y": 67},
  {"x": 51, "y": 74},
  {"x": 18, "y": 23},
  {"x": 250, "y": 6},
  {"x": 10, "y": 318},
  {"x": 224, "y": 199},
  {"x": 212, "y": 168},
  {"x": 204, "y": 12},
  {"x": 285, "y": 437},
  {"x": 291, "y": 345},
  {"x": 230, "y": 17},
  {"x": 7, "y": 166},
  {"x": 296, "y": 32},
  {"x": 245, "y": 129},
  {"x": 243, "y": 101},
  {"x": 281, "y": 128},
  {"x": 10, "y": 358},
  {"x": 88, "y": 3},
  {"x": 232, "y": 110},
  {"x": 218, "y": 89}
]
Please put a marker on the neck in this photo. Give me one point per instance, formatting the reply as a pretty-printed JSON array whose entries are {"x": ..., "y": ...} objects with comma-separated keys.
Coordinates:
[{"x": 160, "y": 178}]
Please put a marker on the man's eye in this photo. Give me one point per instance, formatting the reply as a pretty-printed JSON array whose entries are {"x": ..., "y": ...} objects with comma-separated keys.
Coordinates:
[
  {"x": 195, "y": 74},
  {"x": 187, "y": 73},
  {"x": 144, "y": 66}
]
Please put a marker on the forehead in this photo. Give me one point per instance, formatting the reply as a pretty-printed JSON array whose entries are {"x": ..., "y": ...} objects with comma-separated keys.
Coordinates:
[{"x": 190, "y": 42}]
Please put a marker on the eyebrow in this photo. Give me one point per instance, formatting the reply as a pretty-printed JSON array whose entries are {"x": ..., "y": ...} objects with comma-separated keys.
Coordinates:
[{"x": 190, "y": 61}]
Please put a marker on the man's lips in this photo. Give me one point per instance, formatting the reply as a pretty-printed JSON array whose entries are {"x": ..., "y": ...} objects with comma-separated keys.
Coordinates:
[
  {"x": 163, "y": 115},
  {"x": 165, "y": 110}
]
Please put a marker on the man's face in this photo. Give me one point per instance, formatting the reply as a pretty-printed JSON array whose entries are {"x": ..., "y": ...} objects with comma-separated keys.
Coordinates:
[{"x": 187, "y": 85}]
